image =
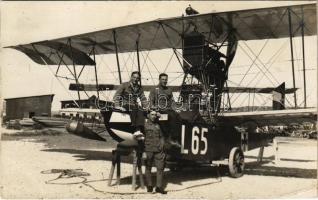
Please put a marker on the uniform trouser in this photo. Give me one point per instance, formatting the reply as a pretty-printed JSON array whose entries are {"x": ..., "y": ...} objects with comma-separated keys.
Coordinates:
[
  {"x": 159, "y": 159},
  {"x": 137, "y": 117},
  {"x": 169, "y": 127}
]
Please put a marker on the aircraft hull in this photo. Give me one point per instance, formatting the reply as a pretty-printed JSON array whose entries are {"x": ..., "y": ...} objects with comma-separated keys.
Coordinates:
[{"x": 199, "y": 141}]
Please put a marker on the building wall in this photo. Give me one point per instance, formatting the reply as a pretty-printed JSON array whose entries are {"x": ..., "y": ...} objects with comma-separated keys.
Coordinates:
[{"x": 19, "y": 108}]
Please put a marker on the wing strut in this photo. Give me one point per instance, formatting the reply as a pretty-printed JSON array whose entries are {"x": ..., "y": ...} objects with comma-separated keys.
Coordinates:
[
  {"x": 56, "y": 76},
  {"x": 228, "y": 97},
  {"x": 138, "y": 60},
  {"x": 303, "y": 50},
  {"x": 62, "y": 61},
  {"x": 292, "y": 53},
  {"x": 175, "y": 53},
  {"x": 95, "y": 67},
  {"x": 75, "y": 76},
  {"x": 89, "y": 54},
  {"x": 116, "y": 49}
]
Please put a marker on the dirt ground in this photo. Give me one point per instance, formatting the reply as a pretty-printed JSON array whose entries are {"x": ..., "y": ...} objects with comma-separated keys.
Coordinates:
[{"x": 26, "y": 163}]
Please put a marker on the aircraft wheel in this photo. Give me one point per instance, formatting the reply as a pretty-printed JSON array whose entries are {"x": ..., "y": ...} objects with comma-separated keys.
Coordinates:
[{"x": 236, "y": 163}]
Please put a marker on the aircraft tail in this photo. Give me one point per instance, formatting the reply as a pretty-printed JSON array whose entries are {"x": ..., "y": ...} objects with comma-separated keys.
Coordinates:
[{"x": 279, "y": 97}]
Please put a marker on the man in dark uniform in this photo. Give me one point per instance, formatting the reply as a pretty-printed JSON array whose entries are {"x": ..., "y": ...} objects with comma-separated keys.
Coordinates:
[
  {"x": 154, "y": 151},
  {"x": 161, "y": 98},
  {"x": 125, "y": 99},
  {"x": 215, "y": 57}
]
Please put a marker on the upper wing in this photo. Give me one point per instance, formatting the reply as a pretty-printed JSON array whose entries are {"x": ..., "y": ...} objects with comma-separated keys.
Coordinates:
[
  {"x": 270, "y": 118},
  {"x": 253, "y": 24}
]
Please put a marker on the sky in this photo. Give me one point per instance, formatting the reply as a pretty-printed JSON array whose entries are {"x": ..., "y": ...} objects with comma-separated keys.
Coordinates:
[{"x": 25, "y": 22}]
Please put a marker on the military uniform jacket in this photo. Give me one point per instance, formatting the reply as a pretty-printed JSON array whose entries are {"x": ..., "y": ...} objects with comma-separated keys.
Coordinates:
[
  {"x": 161, "y": 97},
  {"x": 128, "y": 94},
  {"x": 153, "y": 137}
]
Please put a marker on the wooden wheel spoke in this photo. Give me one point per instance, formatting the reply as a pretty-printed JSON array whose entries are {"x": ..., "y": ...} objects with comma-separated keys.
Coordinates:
[{"x": 236, "y": 162}]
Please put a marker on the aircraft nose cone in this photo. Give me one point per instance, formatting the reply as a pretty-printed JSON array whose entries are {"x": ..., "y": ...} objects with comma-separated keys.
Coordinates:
[
  {"x": 72, "y": 126},
  {"x": 79, "y": 129}
]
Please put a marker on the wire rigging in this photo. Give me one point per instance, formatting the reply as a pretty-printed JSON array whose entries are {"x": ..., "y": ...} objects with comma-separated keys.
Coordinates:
[{"x": 148, "y": 69}]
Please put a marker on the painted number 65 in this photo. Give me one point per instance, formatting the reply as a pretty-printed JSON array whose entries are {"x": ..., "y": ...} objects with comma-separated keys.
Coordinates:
[{"x": 195, "y": 141}]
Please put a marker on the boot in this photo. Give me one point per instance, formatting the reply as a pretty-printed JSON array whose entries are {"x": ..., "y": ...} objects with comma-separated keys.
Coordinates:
[
  {"x": 149, "y": 189},
  {"x": 160, "y": 190}
]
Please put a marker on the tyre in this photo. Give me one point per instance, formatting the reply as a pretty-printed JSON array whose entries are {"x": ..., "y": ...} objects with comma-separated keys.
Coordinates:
[{"x": 236, "y": 163}]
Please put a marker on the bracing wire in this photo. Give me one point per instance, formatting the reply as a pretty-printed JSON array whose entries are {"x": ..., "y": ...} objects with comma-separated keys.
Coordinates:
[
  {"x": 261, "y": 63},
  {"x": 148, "y": 69},
  {"x": 151, "y": 43},
  {"x": 271, "y": 61},
  {"x": 153, "y": 65},
  {"x": 110, "y": 70},
  {"x": 170, "y": 59},
  {"x": 179, "y": 76},
  {"x": 68, "y": 92},
  {"x": 277, "y": 25},
  {"x": 125, "y": 62},
  {"x": 277, "y": 54},
  {"x": 239, "y": 84},
  {"x": 133, "y": 64}
]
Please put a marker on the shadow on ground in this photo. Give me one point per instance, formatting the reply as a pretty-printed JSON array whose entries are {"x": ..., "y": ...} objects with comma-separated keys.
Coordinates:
[
  {"x": 255, "y": 168},
  {"x": 251, "y": 168},
  {"x": 282, "y": 159}
]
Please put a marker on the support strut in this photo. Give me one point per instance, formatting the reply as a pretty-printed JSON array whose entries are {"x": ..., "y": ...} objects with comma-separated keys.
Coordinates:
[
  {"x": 75, "y": 76},
  {"x": 117, "y": 58},
  {"x": 137, "y": 50},
  {"x": 95, "y": 67},
  {"x": 292, "y": 54},
  {"x": 304, "y": 59}
]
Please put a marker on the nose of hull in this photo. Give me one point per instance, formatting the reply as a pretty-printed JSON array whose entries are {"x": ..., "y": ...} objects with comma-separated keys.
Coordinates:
[
  {"x": 78, "y": 128},
  {"x": 118, "y": 125}
]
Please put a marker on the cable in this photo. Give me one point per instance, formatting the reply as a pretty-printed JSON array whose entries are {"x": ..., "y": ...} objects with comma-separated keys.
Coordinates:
[
  {"x": 153, "y": 81},
  {"x": 168, "y": 62},
  {"x": 105, "y": 64},
  {"x": 271, "y": 61},
  {"x": 153, "y": 39},
  {"x": 79, "y": 173},
  {"x": 180, "y": 75},
  {"x": 125, "y": 60},
  {"x": 154, "y": 65},
  {"x": 256, "y": 56},
  {"x": 64, "y": 87}
]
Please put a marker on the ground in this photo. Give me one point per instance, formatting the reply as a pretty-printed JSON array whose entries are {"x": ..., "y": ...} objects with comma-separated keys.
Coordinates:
[{"x": 26, "y": 161}]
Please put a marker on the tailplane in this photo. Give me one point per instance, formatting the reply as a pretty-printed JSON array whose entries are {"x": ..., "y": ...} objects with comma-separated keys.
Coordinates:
[{"x": 279, "y": 97}]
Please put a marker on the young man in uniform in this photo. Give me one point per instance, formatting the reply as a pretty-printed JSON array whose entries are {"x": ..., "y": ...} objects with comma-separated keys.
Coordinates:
[
  {"x": 125, "y": 99},
  {"x": 161, "y": 98},
  {"x": 154, "y": 151}
]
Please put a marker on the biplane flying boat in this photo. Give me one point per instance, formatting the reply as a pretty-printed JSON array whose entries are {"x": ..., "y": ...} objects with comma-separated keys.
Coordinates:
[{"x": 205, "y": 46}]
